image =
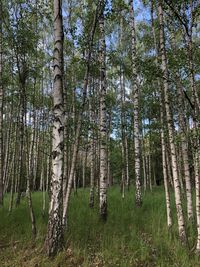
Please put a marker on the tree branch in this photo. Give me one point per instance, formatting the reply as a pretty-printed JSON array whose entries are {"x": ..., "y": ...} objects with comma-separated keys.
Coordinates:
[{"x": 176, "y": 13}]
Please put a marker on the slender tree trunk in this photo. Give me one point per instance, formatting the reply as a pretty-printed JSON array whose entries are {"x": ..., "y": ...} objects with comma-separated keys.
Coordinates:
[
  {"x": 65, "y": 155},
  {"x": 196, "y": 111},
  {"x": 138, "y": 194},
  {"x": 92, "y": 146},
  {"x": 21, "y": 150},
  {"x": 179, "y": 209},
  {"x": 164, "y": 162},
  {"x": 14, "y": 167},
  {"x": 84, "y": 165},
  {"x": 54, "y": 237},
  {"x": 169, "y": 168},
  {"x": 92, "y": 169},
  {"x": 184, "y": 150},
  {"x": 149, "y": 170},
  {"x": 1, "y": 108},
  {"x": 144, "y": 172},
  {"x": 103, "y": 128},
  {"x": 127, "y": 163},
  {"x": 123, "y": 168},
  {"x": 36, "y": 154},
  {"x": 29, "y": 179},
  {"x": 189, "y": 37},
  {"x": 197, "y": 188},
  {"x": 7, "y": 164},
  {"x": 108, "y": 146},
  {"x": 79, "y": 123}
]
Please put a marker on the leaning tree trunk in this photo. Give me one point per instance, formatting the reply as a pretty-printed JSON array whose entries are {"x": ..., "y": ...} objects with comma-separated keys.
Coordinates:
[
  {"x": 179, "y": 209},
  {"x": 138, "y": 195},
  {"x": 66, "y": 195},
  {"x": 54, "y": 237}
]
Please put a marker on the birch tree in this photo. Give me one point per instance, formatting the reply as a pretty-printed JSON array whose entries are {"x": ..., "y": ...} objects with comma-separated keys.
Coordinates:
[
  {"x": 54, "y": 237},
  {"x": 179, "y": 209},
  {"x": 135, "y": 96},
  {"x": 103, "y": 126},
  {"x": 162, "y": 130}
]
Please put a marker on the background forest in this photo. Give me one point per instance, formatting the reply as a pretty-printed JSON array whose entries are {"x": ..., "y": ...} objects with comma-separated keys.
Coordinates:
[{"x": 99, "y": 133}]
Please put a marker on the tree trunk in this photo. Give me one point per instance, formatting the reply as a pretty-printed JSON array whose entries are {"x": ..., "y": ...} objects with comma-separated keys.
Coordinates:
[
  {"x": 1, "y": 108},
  {"x": 66, "y": 194},
  {"x": 138, "y": 194},
  {"x": 197, "y": 188},
  {"x": 54, "y": 237},
  {"x": 92, "y": 145},
  {"x": 103, "y": 128},
  {"x": 179, "y": 209},
  {"x": 184, "y": 149},
  {"x": 22, "y": 130},
  {"x": 29, "y": 179},
  {"x": 92, "y": 169},
  {"x": 166, "y": 184}
]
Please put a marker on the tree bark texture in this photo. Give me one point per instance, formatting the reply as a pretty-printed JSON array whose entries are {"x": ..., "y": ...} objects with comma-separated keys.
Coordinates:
[{"x": 54, "y": 237}]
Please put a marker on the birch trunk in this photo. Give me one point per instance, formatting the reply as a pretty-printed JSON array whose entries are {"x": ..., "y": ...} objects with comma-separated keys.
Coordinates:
[
  {"x": 179, "y": 209},
  {"x": 54, "y": 237},
  {"x": 66, "y": 194},
  {"x": 138, "y": 194},
  {"x": 196, "y": 110},
  {"x": 184, "y": 151},
  {"x": 164, "y": 162},
  {"x": 22, "y": 128},
  {"x": 122, "y": 131},
  {"x": 92, "y": 147},
  {"x": 29, "y": 179},
  {"x": 7, "y": 160},
  {"x": 92, "y": 169},
  {"x": 127, "y": 163},
  {"x": 184, "y": 147},
  {"x": 197, "y": 188},
  {"x": 103, "y": 128}
]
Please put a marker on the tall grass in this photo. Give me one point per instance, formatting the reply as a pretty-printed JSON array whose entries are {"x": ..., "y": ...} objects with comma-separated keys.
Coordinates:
[{"x": 131, "y": 236}]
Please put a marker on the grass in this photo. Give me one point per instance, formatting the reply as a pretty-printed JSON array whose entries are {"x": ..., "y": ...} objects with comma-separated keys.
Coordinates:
[{"x": 130, "y": 237}]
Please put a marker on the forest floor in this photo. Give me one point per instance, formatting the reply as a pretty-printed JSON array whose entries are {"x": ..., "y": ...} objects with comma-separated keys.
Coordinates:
[{"x": 130, "y": 237}]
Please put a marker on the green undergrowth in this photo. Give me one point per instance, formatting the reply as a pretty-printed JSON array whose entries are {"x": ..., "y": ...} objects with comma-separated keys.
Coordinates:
[{"x": 131, "y": 236}]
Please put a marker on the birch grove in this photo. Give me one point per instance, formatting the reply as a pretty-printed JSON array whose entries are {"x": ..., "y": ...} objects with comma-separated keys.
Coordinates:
[{"x": 99, "y": 98}]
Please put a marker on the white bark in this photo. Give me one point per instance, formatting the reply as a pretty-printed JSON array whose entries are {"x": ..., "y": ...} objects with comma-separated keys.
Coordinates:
[
  {"x": 138, "y": 194},
  {"x": 166, "y": 184},
  {"x": 179, "y": 209},
  {"x": 103, "y": 129},
  {"x": 54, "y": 238}
]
